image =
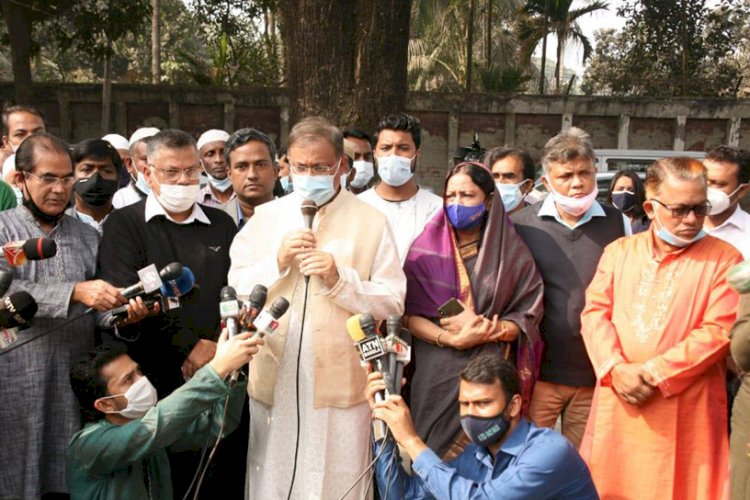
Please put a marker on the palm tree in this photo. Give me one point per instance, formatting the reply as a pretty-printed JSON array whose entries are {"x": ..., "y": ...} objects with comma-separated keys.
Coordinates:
[{"x": 542, "y": 17}]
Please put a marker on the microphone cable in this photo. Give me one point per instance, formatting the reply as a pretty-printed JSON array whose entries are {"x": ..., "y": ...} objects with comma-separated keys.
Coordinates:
[
  {"x": 299, "y": 354},
  {"x": 213, "y": 450},
  {"x": 16, "y": 345}
]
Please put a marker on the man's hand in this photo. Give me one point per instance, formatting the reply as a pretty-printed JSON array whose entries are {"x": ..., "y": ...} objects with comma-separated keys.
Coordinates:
[
  {"x": 295, "y": 243},
  {"x": 397, "y": 416},
  {"x": 202, "y": 353},
  {"x": 629, "y": 384},
  {"x": 98, "y": 294},
  {"x": 232, "y": 354},
  {"x": 137, "y": 310},
  {"x": 316, "y": 263},
  {"x": 477, "y": 331},
  {"x": 375, "y": 384}
]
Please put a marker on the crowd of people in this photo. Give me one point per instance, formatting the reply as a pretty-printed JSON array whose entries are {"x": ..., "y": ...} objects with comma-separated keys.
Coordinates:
[{"x": 564, "y": 348}]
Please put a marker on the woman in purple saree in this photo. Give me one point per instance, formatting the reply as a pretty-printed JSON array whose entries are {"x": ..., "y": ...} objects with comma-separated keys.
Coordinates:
[{"x": 469, "y": 251}]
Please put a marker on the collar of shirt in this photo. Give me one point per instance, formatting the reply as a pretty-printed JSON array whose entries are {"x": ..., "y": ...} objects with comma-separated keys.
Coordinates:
[
  {"x": 207, "y": 192},
  {"x": 87, "y": 219},
  {"x": 738, "y": 219},
  {"x": 154, "y": 208},
  {"x": 549, "y": 209}
]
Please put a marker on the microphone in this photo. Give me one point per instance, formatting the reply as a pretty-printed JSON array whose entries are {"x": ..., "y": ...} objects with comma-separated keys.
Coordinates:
[
  {"x": 172, "y": 289},
  {"x": 6, "y": 278},
  {"x": 398, "y": 345},
  {"x": 267, "y": 321},
  {"x": 151, "y": 280},
  {"x": 254, "y": 304},
  {"x": 739, "y": 277},
  {"x": 229, "y": 309},
  {"x": 17, "y": 253},
  {"x": 309, "y": 209},
  {"x": 361, "y": 328},
  {"x": 16, "y": 311}
]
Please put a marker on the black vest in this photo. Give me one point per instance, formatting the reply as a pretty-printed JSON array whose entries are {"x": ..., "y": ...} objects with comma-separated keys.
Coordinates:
[{"x": 567, "y": 260}]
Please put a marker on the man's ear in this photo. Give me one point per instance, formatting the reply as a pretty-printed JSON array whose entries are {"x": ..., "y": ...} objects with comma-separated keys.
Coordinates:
[
  {"x": 648, "y": 207},
  {"x": 515, "y": 406},
  {"x": 105, "y": 405},
  {"x": 527, "y": 187},
  {"x": 414, "y": 162}
]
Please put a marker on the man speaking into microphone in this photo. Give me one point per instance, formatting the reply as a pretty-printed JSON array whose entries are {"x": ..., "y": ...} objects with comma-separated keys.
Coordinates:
[{"x": 345, "y": 263}]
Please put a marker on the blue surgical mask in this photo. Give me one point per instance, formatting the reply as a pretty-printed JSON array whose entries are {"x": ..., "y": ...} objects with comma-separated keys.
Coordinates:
[
  {"x": 318, "y": 188},
  {"x": 286, "y": 184},
  {"x": 142, "y": 184},
  {"x": 486, "y": 431},
  {"x": 221, "y": 185},
  {"x": 462, "y": 217},
  {"x": 674, "y": 240},
  {"x": 511, "y": 195},
  {"x": 395, "y": 170}
]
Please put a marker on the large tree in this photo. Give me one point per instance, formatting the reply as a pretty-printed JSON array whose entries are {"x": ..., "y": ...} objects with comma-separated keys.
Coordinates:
[{"x": 345, "y": 61}]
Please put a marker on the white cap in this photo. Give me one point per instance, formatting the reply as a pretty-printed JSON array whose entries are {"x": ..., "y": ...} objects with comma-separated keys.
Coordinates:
[
  {"x": 117, "y": 141},
  {"x": 212, "y": 135},
  {"x": 9, "y": 165},
  {"x": 142, "y": 133}
]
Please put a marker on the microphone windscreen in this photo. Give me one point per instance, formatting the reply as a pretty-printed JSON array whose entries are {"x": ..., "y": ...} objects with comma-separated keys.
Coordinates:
[
  {"x": 279, "y": 307},
  {"x": 24, "y": 304},
  {"x": 227, "y": 293},
  {"x": 171, "y": 271},
  {"x": 180, "y": 286},
  {"x": 257, "y": 298},
  {"x": 354, "y": 329},
  {"x": 39, "y": 248},
  {"x": 6, "y": 278}
]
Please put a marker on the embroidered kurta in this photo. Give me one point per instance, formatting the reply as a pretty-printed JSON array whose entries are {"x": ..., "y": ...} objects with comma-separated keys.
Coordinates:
[
  {"x": 38, "y": 410},
  {"x": 672, "y": 312}
]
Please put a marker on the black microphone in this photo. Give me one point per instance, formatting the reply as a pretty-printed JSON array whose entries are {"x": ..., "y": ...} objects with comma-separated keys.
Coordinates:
[
  {"x": 16, "y": 311},
  {"x": 398, "y": 345},
  {"x": 253, "y": 306},
  {"x": 229, "y": 309},
  {"x": 6, "y": 278},
  {"x": 267, "y": 321},
  {"x": 309, "y": 209},
  {"x": 151, "y": 280},
  {"x": 17, "y": 253}
]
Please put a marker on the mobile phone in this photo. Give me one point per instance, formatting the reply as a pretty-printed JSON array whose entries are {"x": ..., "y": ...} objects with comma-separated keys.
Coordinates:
[{"x": 450, "y": 308}]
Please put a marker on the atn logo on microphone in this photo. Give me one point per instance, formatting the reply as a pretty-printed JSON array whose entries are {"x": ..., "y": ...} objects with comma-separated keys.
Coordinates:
[{"x": 370, "y": 348}]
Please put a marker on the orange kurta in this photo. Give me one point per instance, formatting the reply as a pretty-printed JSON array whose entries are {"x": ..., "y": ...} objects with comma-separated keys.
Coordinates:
[{"x": 674, "y": 314}]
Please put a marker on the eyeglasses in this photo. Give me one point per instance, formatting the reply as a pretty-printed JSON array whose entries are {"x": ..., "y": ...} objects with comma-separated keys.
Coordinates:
[
  {"x": 52, "y": 180},
  {"x": 316, "y": 170},
  {"x": 682, "y": 211},
  {"x": 175, "y": 174}
]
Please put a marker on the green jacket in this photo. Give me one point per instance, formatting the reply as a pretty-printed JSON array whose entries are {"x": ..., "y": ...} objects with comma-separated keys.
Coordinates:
[{"x": 107, "y": 461}]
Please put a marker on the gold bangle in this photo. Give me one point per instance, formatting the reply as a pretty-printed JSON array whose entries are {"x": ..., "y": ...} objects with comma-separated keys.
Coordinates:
[{"x": 437, "y": 339}]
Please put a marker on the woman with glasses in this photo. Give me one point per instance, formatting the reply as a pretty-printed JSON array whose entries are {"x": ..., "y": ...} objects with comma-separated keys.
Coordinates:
[{"x": 472, "y": 287}]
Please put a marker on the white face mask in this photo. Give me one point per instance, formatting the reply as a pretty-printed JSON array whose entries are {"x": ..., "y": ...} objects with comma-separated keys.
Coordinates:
[
  {"x": 318, "y": 188},
  {"x": 142, "y": 184},
  {"x": 511, "y": 194},
  {"x": 141, "y": 398},
  {"x": 222, "y": 185},
  {"x": 365, "y": 172},
  {"x": 395, "y": 170},
  {"x": 176, "y": 198},
  {"x": 14, "y": 148},
  {"x": 720, "y": 201},
  {"x": 573, "y": 206}
]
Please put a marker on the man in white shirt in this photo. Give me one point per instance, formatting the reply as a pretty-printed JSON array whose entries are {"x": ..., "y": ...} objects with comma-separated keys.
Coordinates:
[
  {"x": 123, "y": 149},
  {"x": 219, "y": 189},
  {"x": 137, "y": 165},
  {"x": 406, "y": 206},
  {"x": 728, "y": 172}
]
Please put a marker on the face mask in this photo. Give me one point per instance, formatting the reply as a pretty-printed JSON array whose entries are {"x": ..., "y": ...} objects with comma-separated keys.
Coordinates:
[
  {"x": 221, "y": 185},
  {"x": 673, "y": 239},
  {"x": 624, "y": 200},
  {"x": 720, "y": 201},
  {"x": 462, "y": 217},
  {"x": 573, "y": 206},
  {"x": 141, "y": 398},
  {"x": 19, "y": 195},
  {"x": 318, "y": 188},
  {"x": 486, "y": 431},
  {"x": 14, "y": 148},
  {"x": 176, "y": 198},
  {"x": 365, "y": 173},
  {"x": 395, "y": 170},
  {"x": 142, "y": 185},
  {"x": 343, "y": 180},
  {"x": 511, "y": 195},
  {"x": 95, "y": 191},
  {"x": 37, "y": 212},
  {"x": 286, "y": 184}
]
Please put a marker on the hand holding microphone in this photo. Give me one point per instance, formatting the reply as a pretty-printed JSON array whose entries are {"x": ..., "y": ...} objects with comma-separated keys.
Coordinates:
[{"x": 232, "y": 353}]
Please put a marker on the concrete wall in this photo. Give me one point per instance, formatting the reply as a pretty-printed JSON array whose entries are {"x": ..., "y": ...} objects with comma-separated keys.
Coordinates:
[{"x": 449, "y": 120}]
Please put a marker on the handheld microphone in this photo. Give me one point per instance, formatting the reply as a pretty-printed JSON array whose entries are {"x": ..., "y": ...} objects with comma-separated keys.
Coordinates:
[
  {"x": 267, "y": 321},
  {"x": 16, "y": 311},
  {"x": 361, "y": 328},
  {"x": 6, "y": 278},
  {"x": 253, "y": 306},
  {"x": 229, "y": 309},
  {"x": 309, "y": 209},
  {"x": 398, "y": 345},
  {"x": 17, "y": 253},
  {"x": 151, "y": 280},
  {"x": 170, "y": 290},
  {"x": 739, "y": 277}
]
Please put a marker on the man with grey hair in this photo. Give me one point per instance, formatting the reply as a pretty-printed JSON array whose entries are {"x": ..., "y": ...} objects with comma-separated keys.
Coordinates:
[
  {"x": 346, "y": 264},
  {"x": 170, "y": 226},
  {"x": 136, "y": 164},
  {"x": 250, "y": 154},
  {"x": 566, "y": 234}
]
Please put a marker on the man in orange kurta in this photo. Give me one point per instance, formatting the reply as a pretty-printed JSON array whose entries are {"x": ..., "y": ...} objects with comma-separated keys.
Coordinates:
[{"x": 655, "y": 325}]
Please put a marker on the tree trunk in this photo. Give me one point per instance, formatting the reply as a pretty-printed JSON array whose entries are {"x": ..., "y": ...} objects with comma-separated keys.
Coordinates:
[
  {"x": 470, "y": 44},
  {"x": 559, "y": 65},
  {"x": 544, "y": 48},
  {"x": 488, "y": 33},
  {"x": 155, "y": 42},
  {"x": 106, "y": 93},
  {"x": 19, "y": 34},
  {"x": 345, "y": 61}
]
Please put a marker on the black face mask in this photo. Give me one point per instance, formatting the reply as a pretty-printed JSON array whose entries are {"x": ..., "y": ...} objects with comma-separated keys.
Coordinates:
[
  {"x": 95, "y": 191},
  {"x": 42, "y": 217}
]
